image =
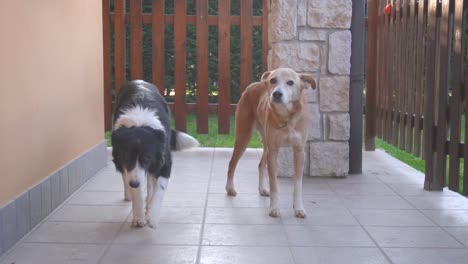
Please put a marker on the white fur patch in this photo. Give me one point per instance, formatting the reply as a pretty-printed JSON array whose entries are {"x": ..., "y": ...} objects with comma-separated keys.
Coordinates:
[
  {"x": 185, "y": 141},
  {"x": 139, "y": 116}
]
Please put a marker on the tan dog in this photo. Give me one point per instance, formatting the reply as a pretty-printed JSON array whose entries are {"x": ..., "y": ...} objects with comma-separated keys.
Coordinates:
[{"x": 277, "y": 107}]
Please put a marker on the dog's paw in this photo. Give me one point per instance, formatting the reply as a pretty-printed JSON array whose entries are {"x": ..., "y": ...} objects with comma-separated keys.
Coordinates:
[
  {"x": 301, "y": 213},
  {"x": 275, "y": 212},
  {"x": 127, "y": 199},
  {"x": 264, "y": 192},
  {"x": 137, "y": 222},
  {"x": 230, "y": 190}
]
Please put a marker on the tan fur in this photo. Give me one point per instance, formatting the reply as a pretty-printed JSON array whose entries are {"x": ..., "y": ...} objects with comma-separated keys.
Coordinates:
[{"x": 279, "y": 124}]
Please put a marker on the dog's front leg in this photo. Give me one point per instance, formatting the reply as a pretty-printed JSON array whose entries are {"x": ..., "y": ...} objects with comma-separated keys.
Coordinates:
[
  {"x": 127, "y": 192},
  {"x": 272, "y": 155},
  {"x": 137, "y": 206},
  {"x": 153, "y": 211},
  {"x": 298, "y": 205}
]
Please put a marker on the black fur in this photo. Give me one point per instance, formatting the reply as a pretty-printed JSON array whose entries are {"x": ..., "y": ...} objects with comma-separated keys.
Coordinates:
[{"x": 150, "y": 147}]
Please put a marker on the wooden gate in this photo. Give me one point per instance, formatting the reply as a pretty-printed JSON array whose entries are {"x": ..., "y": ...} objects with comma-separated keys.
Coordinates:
[
  {"x": 124, "y": 24},
  {"x": 417, "y": 84}
]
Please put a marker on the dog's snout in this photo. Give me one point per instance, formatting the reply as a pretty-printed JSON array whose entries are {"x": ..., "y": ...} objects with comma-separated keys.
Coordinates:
[
  {"x": 277, "y": 95},
  {"x": 134, "y": 184}
]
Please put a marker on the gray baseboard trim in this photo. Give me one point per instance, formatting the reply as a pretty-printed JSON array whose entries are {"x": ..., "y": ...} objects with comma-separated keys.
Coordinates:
[{"x": 23, "y": 213}]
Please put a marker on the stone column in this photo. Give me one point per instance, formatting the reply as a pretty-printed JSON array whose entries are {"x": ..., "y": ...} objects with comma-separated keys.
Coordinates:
[{"x": 313, "y": 36}]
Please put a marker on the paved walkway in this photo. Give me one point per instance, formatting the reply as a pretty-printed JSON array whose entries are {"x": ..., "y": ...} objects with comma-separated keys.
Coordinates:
[{"x": 381, "y": 216}]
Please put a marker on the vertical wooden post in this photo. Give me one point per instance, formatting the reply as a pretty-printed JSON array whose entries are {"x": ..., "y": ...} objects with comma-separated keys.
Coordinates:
[
  {"x": 456, "y": 103},
  {"x": 107, "y": 64},
  {"x": 265, "y": 44},
  {"x": 202, "y": 66},
  {"x": 136, "y": 38},
  {"x": 119, "y": 44},
  {"x": 158, "y": 26},
  {"x": 371, "y": 73},
  {"x": 224, "y": 66},
  {"x": 180, "y": 29},
  {"x": 431, "y": 181},
  {"x": 246, "y": 25}
]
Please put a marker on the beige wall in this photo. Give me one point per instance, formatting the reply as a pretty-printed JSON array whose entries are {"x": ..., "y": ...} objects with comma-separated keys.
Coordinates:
[{"x": 51, "y": 101}]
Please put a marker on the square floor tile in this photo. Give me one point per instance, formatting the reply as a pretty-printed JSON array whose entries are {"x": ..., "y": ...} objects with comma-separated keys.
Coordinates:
[
  {"x": 439, "y": 203},
  {"x": 98, "y": 198},
  {"x": 448, "y": 217},
  {"x": 253, "y": 216},
  {"x": 427, "y": 255},
  {"x": 34, "y": 253},
  {"x": 320, "y": 216},
  {"x": 328, "y": 236},
  {"x": 83, "y": 213},
  {"x": 164, "y": 234},
  {"x": 460, "y": 233},
  {"x": 150, "y": 254},
  {"x": 375, "y": 217},
  {"x": 184, "y": 200},
  {"x": 412, "y": 237},
  {"x": 244, "y": 235},
  {"x": 376, "y": 202},
  {"x": 328, "y": 255},
  {"x": 245, "y": 255},
  {"x": 182, "y": 215},
  {"x": 74, "y": 232},
  {"x": 361, "y": 189}
]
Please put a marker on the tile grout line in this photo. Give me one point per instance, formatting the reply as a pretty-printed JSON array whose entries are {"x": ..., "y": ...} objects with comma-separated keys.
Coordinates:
[
  {"x": 363, "y": 228},
  {"x": 202, "y": 228},
  {"x": 111, "y": 241}
]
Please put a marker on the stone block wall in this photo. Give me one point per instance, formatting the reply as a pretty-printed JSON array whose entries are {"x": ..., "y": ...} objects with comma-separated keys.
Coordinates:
[{"x": 313, "y": 36}]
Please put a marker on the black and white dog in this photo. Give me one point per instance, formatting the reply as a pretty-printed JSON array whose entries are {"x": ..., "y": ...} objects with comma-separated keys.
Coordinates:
[{"x": 142, "y": 142}]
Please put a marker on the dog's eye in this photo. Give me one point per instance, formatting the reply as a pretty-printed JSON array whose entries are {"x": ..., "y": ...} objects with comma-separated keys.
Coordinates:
[
  {"x": 273, "y": 80},
  {"x": 290, "y": 83}
]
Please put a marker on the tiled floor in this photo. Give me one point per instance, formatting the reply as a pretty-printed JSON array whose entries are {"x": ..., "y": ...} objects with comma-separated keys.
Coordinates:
[{"x": 381, "y": 216}]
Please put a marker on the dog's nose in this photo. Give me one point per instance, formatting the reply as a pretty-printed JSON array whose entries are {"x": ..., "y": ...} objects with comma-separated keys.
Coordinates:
[
  {"x": 277, "y": 95},
  {"x": 134, "y": 184}
]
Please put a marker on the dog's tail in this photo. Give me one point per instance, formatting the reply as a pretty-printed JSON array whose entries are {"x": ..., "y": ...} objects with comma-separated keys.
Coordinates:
[{"x": 180, "y": 140}]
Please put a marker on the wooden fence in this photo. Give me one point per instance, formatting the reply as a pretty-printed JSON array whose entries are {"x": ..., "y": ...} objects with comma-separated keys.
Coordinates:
[
  {"x": 121, "y": 20},
  {"x": 417, "y": 85}
]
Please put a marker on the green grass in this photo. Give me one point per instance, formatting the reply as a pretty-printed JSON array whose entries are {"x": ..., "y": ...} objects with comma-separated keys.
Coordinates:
[
  {"x": 213, "y": 138},
  {"x": 401, "y": 155}
]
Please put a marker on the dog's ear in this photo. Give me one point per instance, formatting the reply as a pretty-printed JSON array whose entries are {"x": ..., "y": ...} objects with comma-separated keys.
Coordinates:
[
  {"x": 308, "y": 80},
  {"x": 265, "y": 76}
]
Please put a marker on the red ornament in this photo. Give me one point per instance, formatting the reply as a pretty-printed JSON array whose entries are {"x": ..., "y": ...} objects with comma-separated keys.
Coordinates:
[{"x": 387, "y": 9}]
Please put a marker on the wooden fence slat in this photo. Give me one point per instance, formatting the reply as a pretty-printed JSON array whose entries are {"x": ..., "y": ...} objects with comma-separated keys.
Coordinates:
[
  {"x": 419, "y": 76},
  {"x": 224, "y": 66},
  {"x": 388, "y": 84},
  {"x": 119, "y": 44},
  {"x": 431, "y": 181},
  {"x": 402, "y": 73},
  {"x": 180, "y": 64},
  {"x": 106, "y": 43},
  {"x": 380, "y": 69},
  {"x": 136, "y": 39},
  {"x": 396, "y": 68},
  {"x": 465, "y": 148},
  {"x": 442, "y": 45},
  {"x": 371, "y": 75},
  {"x": 410, "y": 76},
  {"x": 158, "y": 50},
  {"x": 456, "y": 104},
  {"x": 265, "y": 43},
  {"x": 246, "y": 11},
  {"x": 202, "y": 66}
]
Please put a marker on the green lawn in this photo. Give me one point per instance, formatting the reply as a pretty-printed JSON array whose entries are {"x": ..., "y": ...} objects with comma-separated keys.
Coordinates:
[{"x": 212, "y": 139}]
